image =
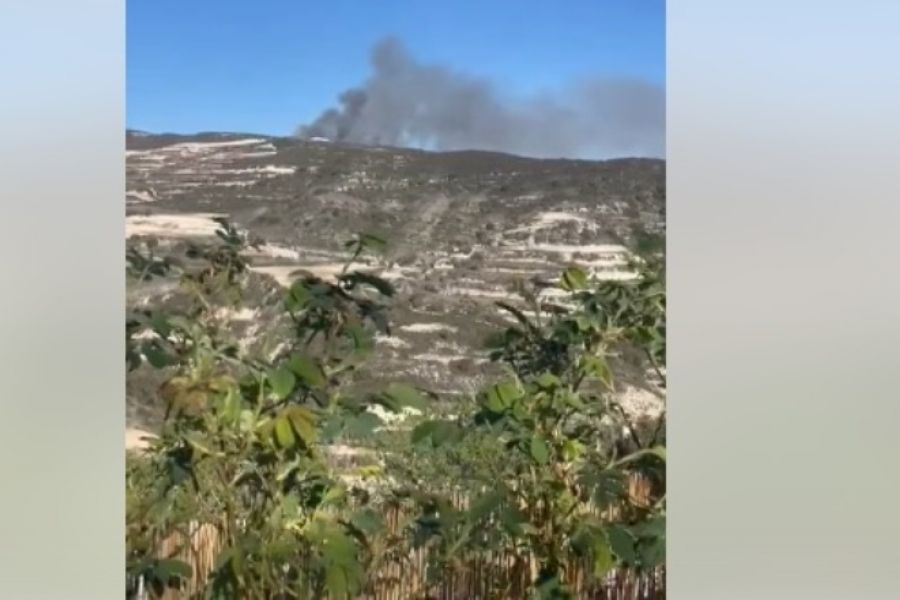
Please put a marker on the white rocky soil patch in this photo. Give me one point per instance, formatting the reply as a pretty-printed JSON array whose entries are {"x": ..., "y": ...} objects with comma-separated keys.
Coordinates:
[
  {"x": 639, "y": 402},
  {"x": 137, "y": 439},
  {"x": 275, "y": 251},
  {"x": 172, "y": 226},
  {"x": 176, "y": 168},
  {"x": 391, "y": 341},
  {"x": 428, "y": 328},
  {"x": 139, "y": 196}
]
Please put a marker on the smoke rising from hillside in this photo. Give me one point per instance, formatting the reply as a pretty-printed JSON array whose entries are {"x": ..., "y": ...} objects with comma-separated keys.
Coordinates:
[{"x": 407, "y": 103}]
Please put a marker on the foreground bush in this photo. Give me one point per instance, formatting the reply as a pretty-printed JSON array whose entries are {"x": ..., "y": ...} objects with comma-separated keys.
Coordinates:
[
  {"x": 540, "y": 450},
  {"x": 538, "y": 456}
]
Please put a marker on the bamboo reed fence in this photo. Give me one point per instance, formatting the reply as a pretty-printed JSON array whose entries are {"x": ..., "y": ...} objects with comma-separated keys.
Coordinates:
[{"x": 486, "y": 575}]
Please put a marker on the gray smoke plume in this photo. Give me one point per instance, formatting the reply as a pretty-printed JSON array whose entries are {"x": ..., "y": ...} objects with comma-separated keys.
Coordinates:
[{"x": 406, "y": 103}]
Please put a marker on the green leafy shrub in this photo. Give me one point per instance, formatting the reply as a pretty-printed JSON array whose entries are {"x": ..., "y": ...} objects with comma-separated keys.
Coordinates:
[
  {"x": 552, "y": 484},
  {"x": 541, "y": 464},
  {"x": 241, "y": 446}
]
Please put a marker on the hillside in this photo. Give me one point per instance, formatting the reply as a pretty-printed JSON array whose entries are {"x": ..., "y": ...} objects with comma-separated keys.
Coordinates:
[{"x": 462, "y": 228}]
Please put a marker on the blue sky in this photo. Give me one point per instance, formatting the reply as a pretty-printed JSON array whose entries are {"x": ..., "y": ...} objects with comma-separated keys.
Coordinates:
[{"x": 267, "y": 66}]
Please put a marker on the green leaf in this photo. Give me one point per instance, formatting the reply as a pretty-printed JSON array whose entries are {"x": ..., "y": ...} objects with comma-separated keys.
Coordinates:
[
  {"x": 303, "y": 422},
  {"x": 363, "y": 340},
  {"x": 298, "y": 296},
  {"x": 336, "y": 582},
  {"x": 166, "y": 569},
  {"x": 406, "y": 396},
  {"x": 333, "y": 497},
  {"x": 540, "y": 452},
  {"x": 572, "y": 449},
  {"x": 436, "y": 432},
  {"x": 520, "y": 412},
  {"x": 230, "y": 406},
  {"x": 509, "y": 391},
  {"x": 596, "y": 366},
  {"x": 372, "y": 242},
  {"x": 368, "y": 521},
  {"x": 607, "y": 487},
  {"x": 156, "y": 356},
  {"x": 331, "y": 427},
  {"x": 160, "y": 324},
  {"x": 582, "y": 539},
  {"x": 652, "y": 528},
  {"x": 574, "y": 400},
  {"x": 307, "y": 370},
  {"x": 500, "y": 396},
  {"x": 422, "y": 432},
  {"x": 494, "y": 402},
  {"x": 602, "y": 556},
  {"x": 445, "y": 432},
  {"x": 282, "y": 382},
  {"x": 362, "y": 425},
  {"x": 590, "y": 541},
  {"x": 574, "y": 278},
  {"x": 548, "y": 381},
  {"x": 652, "y": 552},
  {"x": 622, "y": 543},
  {"x": 336, "y": 546},
  {"x": 284, "y": 433},
  {"x": 583, "y": 323}
]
